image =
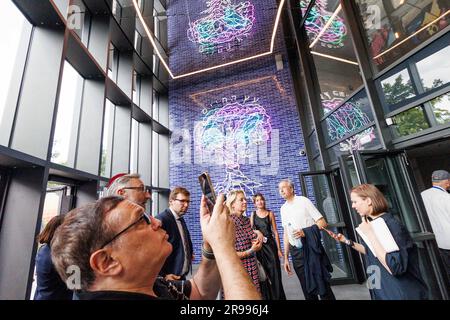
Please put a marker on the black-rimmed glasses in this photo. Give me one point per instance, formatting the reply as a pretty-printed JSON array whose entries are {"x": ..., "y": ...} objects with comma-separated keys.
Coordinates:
[{"x": 144, "y": 217}]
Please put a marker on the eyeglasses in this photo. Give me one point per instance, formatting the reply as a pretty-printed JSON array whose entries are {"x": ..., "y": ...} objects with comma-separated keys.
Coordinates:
[
  {"x": 144, "y": 217},
  {"x": 141, "y": 189},
  {"x": 183, "y": 201}
]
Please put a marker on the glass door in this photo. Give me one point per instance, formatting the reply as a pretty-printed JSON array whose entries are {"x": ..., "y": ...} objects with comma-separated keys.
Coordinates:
[
  {"x": 322, "y": 187},
  {"x": 392, "y": 174}
]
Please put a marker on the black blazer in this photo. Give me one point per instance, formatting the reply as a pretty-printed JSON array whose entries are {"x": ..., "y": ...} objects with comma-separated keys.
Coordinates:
[
  {"x": 175, "y": 261},
  {"x": 318, "y": 267}
]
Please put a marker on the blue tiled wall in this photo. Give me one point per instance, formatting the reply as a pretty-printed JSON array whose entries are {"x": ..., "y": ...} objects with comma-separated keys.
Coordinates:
[{"x": 259, "y": 79}]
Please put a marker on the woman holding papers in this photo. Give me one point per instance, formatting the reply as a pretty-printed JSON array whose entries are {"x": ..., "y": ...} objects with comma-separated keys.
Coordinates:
[{"x": 391, "y": 255}]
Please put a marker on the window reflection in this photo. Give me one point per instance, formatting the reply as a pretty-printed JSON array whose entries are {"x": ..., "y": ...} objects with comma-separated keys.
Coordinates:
[
  {"x": 134, "y": 146},
  {"x": 365, "y": 140},
  {"x": 393, "y": 28},
  {"x": 397, "y": 88},
  {"x": 441, "y": 108},
  {"x": 334, "y": 57},
  {"x": 66, "y": 130},
  {"x": 155, "y": 105},
  {"x": 351, "y": 117},
  {"x": 108, "y": 130},
  {"x": 155, "y": 158},
  {"x": 15, "y": 34},
  {"x": 409, "y": 122},
  {"x": 136, "y": 88},
  {"x": 113, "y": 62},
  {"x": 79, "y": 20},
  {"x": 434, "y": 70}
]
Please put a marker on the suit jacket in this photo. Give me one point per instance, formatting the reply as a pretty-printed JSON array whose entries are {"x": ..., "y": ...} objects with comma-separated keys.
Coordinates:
[
  {"x": 317, "y": 265},
  {"x": 175, "y": 261}
]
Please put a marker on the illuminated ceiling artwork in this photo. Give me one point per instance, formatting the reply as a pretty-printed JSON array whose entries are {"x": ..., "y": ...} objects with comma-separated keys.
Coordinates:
[
  {"x": 230, "y": 130},
  {"x": 325, "y": 26},
  {"x": 163, "y": 60},
  {"x": 224, "y": 26}
]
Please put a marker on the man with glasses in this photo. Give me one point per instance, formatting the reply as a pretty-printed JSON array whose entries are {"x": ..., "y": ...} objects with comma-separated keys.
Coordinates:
[
  {"x": 179, "y": 263},
  {"x": 111, "y": 250},
  {"x": 129, "y": 186}
]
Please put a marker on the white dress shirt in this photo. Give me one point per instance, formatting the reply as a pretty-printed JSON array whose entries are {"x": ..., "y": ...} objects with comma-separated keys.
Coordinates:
[
  {"x": 183, "y": 237},
  {"x": 300, "y": 214},
  {"x": 437, "y": 204}
]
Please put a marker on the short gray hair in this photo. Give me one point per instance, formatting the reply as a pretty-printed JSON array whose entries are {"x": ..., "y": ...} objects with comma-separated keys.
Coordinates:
[
  {"x": 289, "y": 182},
  {"x": 119, "y": 183}
]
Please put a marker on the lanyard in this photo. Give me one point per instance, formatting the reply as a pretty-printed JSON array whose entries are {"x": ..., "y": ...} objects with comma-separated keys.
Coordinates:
[{"x": 439, "y": 188}]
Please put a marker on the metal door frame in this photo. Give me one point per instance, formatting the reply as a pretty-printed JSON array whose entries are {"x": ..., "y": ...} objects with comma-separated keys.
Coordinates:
[
  {"x": 425, "y": 235},
  {"x": 354, "y": 266}
]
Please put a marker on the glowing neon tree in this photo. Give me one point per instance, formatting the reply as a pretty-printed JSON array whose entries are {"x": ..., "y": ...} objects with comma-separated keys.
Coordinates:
[
  {"x": 335, "y": 34},
  {"x": 347, "y": 119},
  {"x": 231, "y": 129},
  {"x": 225, "y": 24}
]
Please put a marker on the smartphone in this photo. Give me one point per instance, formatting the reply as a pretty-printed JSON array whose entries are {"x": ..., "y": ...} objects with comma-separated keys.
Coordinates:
[
  {"x": 207, "y": 190},
  {"x": 330, "y": 233}
]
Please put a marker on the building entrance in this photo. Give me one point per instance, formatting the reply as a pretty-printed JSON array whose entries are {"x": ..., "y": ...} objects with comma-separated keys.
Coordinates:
[{"x": 391, "y": 172}]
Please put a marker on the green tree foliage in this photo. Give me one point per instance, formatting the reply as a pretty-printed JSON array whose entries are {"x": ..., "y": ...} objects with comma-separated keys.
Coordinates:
[{"x": 414, "y": 120}]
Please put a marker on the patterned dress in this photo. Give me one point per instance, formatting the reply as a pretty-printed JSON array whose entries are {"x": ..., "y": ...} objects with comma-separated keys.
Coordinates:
[{"x": 244, "y": 237}]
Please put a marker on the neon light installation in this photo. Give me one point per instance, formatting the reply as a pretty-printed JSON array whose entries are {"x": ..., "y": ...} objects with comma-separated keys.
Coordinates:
[
  {"x": 224, "y": 25},
  {"x": 331, "y": 104},
  {"x": 358, "y": 141},
  {"x": 231, "y": 129},
  {"x": 335, "y": 34},
  {"x": 347, "y": 119}
]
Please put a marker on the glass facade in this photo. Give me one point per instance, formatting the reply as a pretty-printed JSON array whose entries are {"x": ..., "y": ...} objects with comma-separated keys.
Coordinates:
[
  {"x": 379, "y": 81},
  {"x": 76, "y": 104},
  {"x": 15, "y": 32},
  {"x": 334, "y": 57},
  {"x": 393, "y": 28}
]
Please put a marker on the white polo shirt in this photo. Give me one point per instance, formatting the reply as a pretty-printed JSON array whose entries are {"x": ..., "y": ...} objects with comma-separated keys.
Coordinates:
[
  {"x": 437, "y": 204},
  {"x": 301, "y": 213}
]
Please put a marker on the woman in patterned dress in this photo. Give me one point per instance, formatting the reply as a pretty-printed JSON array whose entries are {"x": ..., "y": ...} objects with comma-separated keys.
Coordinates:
[{"x": 248, "y": 241}]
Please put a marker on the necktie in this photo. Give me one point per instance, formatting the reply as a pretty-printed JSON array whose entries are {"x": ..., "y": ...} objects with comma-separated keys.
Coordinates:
[{"x": 187, "y": 246}]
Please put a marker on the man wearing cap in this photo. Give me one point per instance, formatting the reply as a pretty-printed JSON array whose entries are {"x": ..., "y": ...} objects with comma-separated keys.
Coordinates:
[
  {"x": 130, "y": 187},
  {"x": 437, "y": 204}
]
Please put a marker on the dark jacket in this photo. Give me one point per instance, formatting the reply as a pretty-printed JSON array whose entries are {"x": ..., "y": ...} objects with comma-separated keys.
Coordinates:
[
  {"x": 164, "y": 290},
  {"x": 174, "y": 262},
  {"x": 49, "y": 284},
  {"x": 317, "y": 265},
  {"x": 405, "y": 282}
]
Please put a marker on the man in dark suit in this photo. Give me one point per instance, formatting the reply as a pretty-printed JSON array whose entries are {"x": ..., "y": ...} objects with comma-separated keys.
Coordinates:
[{"x": 179, "y": 262}]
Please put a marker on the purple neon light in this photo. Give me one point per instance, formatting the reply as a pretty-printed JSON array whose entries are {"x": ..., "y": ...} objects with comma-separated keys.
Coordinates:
[
  {"x": 231, "y": 129},
  {"x": 224, "y": 25}
]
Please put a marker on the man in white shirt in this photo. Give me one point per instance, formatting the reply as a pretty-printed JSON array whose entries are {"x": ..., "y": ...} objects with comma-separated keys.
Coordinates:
[
  {"x": 298, "y": 213},
  {"x": 437, "y": 203}
]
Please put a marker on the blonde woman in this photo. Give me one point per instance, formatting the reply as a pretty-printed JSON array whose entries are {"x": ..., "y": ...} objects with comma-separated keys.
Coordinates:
[{"x": 248, "y": 241}]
